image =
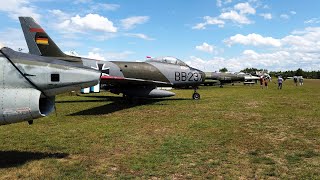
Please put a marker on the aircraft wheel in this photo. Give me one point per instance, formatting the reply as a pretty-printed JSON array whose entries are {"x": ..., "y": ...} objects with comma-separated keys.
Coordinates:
[{"x": 196, "y": 96}]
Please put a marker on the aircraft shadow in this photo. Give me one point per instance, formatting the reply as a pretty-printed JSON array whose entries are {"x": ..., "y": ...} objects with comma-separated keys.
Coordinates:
[
  {"x": 17, "y": 158},
  {"x": 118, "y": 104},
  {"x": 98, "y": 99}
]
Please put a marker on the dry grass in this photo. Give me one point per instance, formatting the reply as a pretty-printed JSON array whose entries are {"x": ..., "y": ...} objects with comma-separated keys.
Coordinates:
[{"x": 240, "y": 132}]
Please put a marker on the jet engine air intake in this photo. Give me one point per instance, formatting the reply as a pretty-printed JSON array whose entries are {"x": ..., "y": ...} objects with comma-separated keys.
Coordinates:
[{"x": 24, "y": 105}]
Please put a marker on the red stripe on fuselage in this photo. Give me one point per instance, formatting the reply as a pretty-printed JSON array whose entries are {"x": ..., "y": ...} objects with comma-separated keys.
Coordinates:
[
  {"x": 36, "y": 30},
  {"x": 111, "y": 78}
]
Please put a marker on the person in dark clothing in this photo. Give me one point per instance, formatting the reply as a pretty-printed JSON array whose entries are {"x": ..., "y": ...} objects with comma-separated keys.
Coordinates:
[{"x": 280, "y": 81}]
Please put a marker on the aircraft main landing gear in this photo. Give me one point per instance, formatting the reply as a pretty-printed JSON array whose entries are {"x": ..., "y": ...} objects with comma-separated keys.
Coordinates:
[{"x": 195, "y": 95}]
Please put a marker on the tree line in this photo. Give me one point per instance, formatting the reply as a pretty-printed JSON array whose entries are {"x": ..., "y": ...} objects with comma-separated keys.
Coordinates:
[{"x": 298, "y": 72}]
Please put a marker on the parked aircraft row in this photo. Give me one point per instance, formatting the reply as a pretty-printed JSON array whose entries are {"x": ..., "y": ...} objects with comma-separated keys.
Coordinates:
[
  {"x": 30, "y": 82},
  {"x": 221, "y": 79}
]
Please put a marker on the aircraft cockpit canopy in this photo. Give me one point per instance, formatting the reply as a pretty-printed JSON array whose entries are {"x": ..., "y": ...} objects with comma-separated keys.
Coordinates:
[{"x": 167, "y": 60}]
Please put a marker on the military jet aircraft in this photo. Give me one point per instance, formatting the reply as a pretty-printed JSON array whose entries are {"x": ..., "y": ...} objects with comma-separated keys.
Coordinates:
[
  {"x": 29, "y": 84},
  {"x": 222, "y": 78},
  {"x": 132, "y": 79}
]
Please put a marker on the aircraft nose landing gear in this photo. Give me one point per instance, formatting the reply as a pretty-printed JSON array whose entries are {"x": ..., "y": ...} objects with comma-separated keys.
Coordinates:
[{"x": 195, "y": 95}]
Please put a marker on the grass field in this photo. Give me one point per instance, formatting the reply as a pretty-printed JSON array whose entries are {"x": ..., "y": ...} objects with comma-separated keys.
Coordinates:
[{"x": 232, "y": 132}]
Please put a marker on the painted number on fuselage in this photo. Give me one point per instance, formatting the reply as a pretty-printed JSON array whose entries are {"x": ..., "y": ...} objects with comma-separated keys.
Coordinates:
[{"x": 183, "y": 76}]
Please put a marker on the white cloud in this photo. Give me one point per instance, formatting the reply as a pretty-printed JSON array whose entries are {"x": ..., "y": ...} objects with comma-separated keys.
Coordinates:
[
  {"x": 139, "y": 35},
  {"x": 235, "y": 17},
  {"x": 95, "y": 55},
  {"x": 131, "y": 22},
  {"x": 215, "y": 64},
  {"x": 200, "y": 26},
  {"x": 239, "y": 14},
  {"x": 266, "y": 7},
  {"x": 59, "y": 15},
  {"x": 300, "y": 49},
  {"x": 267, "y": 16},
  {"x": 16, "y": 8},
  {"x": 109, "y": 7},
  {"x": 221, "y": 2},
  {"x": 104, "y": 7},
  {"x": 14, "y": 39},
  {"x": 253, "y": 39},
  {"x": 205, "y": 47},
  {"x": 306, "y": 41},
  {"x": 293, "y": 12},
  {"x": 312, "y": 21},
  {"x": 209, "y": 21},
  {"x": 89, "y": 22},
  {"x": 275, "y": 61},
  {"x": 284, "y": 16},
  {"x": 214, "y": 21},
  {"x": 118, "y": 56},
  {"x": 245, "y": 8},
  {"x": 82, "y": 1}
]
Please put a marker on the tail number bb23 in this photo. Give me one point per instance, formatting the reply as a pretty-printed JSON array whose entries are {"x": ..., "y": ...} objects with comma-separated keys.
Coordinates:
[{"x": 183, "y": 76}]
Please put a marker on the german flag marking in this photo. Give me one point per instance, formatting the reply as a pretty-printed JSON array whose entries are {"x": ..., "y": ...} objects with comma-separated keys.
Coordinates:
[{"x": 43, "y": 41}]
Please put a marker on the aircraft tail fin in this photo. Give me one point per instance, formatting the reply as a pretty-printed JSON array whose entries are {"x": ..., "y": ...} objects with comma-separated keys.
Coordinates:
[{"x": 38, "y": 41}]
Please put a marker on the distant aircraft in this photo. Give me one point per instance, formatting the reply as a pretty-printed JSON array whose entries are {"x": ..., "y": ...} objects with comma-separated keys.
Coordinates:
[
  {"x": 222, "y": 78},
  {"x": 29, "y": 83},
  {"x": 132, "y": 79}
]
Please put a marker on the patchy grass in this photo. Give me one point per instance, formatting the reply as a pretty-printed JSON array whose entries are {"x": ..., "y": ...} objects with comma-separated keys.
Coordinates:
[{"x": 232, "y": 132}]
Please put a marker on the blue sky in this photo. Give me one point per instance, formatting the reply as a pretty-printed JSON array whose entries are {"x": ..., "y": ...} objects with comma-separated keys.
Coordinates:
[{"x": 207, "y": 34}]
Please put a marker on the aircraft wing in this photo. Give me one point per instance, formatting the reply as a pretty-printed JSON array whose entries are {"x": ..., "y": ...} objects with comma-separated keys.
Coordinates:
[{"x": 122, "y": 81}]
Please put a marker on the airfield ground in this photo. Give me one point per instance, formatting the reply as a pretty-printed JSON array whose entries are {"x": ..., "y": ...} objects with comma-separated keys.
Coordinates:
[{"x": 232, "y": 132}]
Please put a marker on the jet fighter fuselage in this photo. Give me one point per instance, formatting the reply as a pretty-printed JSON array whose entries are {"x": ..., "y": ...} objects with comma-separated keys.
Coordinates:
[
  {"x": 134, "y": 79},
  {"x": 29, "y": 83}
]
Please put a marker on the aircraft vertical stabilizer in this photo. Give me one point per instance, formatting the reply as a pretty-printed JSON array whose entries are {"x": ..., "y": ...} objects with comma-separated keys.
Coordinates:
[{"x": 38, "y": 41}]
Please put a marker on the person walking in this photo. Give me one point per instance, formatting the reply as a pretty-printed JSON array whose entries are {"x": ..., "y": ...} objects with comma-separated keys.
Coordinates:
[
  {"x": 300, "y": 80},
  {"x": 280, "y": 81},
  {"x": 266, "y": 80},
  {"x": 261, "y": 82},
  {"x": 295, "y": 80}
]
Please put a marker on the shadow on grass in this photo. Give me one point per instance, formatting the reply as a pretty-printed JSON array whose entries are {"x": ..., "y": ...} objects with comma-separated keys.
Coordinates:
[
  {"x": 97, "y": 99},
  {"x": 117, "y": 104},
  {"x": 17, "y": 158}
]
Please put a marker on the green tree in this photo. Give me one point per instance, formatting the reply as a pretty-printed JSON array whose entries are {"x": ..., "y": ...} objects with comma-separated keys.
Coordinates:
[
  {"x": 250, "y": 70},
  {"x": 299, "y": 72},
  {"x": 223, "y": 70}
]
